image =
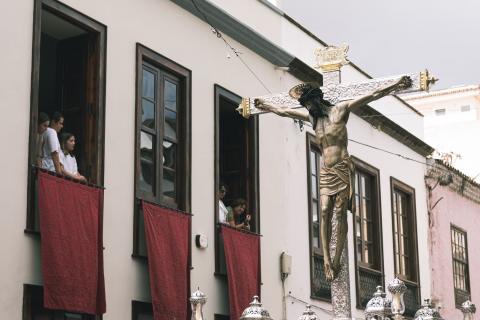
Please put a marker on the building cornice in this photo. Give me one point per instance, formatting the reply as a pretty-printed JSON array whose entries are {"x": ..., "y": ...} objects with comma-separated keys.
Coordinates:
[
  {"x": 443, "y": 92},
  {"x": 461, "y": 183},
  {"x": 251, "y": 39}
]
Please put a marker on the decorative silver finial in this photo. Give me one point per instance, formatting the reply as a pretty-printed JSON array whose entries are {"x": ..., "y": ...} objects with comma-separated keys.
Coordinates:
[
  {"x": 255, "y": 311},
  {"x": 397, "y": 289},
  {"x": 308, "y": 314},
  {"x": 379, "y": 307},
  {"x": 468, "y": 309},
  {"x": 198, "y": 299},
  {"x": 427, "y": 312}
]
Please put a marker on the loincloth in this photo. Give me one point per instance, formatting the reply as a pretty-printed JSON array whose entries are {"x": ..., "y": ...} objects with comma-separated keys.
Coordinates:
[{"x": 339, "y": 181}]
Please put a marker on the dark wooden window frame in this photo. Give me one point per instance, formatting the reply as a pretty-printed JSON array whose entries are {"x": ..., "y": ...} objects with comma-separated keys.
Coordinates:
[
  {"x": 184, "y": 165},
  {"x": 31, "y": 292},
  {"x": 221, "y": 92},
  {"x": 140, "y": 306},
  {"x": 91, "y": 25},
  {"x": 403, "y": 187},
  {"x": 458, "y": 293},
  {"x": 312, "y": 251},
  {"x": 378, "y": 234}
]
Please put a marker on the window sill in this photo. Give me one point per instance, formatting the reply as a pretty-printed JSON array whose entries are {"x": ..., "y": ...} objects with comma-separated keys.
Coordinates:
[
  {"x": 220, "y": 275},
  {"x": 32, "y": 232},
  {"x": 139, "y": 257},
  {"x": 320, "y": 299}
]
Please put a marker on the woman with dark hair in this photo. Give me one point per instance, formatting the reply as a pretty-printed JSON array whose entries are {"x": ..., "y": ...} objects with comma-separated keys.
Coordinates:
[
  {"x": 236, "y": 215},
  {"x": 69, "y": 163},
  {"x": 51, "y": 146}
]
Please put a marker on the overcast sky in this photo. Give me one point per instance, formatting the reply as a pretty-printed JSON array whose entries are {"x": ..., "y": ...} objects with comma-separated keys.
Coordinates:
[{"x": 394, "y": 37}]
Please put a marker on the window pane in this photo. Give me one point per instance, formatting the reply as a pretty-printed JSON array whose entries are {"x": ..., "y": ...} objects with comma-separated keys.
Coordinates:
[
  {"x": 358, "y": 228},
  {"x": 168, "y": 183},
  {"x": 148, "y": 114},
  {"x": 359, "y": 250},
  {"x": 171, "y": 124},
  {"x": 148, "y": 85},
  {"x": 170, "y": 95},
  {"x": 169, "y": 154},
  {"x": 313, "y": 162},
  {"x": 147, "y": 162},
  {"x": 316, "y": 225},
  {"x": 314, "y": 187}
]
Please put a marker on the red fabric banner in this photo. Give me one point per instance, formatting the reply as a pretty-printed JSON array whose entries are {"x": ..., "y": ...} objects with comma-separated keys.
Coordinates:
[
  {"x": 167, "y": 233},
  {"x": 71, "y": 245},
  {"x": 242, "y": 256}
]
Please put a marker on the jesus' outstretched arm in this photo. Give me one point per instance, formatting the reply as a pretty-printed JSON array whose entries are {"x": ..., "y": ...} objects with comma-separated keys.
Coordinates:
[
  {"x": 403, "y": 83},
  {"x": 282, "y": 111}
]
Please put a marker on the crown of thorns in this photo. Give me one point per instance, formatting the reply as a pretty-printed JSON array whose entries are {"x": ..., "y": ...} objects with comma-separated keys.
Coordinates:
[{"x": 306, "y": 91}]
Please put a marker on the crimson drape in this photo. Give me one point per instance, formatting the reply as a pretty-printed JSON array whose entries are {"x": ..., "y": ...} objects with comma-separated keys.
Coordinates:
[
  {"x": 71, "y": 245},
  {"x": 167, "y": 234},
  {"x": 242, "y": 256}
]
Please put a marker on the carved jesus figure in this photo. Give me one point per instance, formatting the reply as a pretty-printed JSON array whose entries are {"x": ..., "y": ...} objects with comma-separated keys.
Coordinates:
[{"x": 337, "y": 172}]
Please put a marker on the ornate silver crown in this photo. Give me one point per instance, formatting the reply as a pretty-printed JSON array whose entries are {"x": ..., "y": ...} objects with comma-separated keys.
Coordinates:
[
  {"x": 468, "y": 307},
  {"x": 379, "y": 305},
  {"x": 396, "y": 286},
  {"x": 198, "y": 297},
  {"x": 255, "y": 311},
  {"x": 427, "y": 312},
  {"x": 308, "y": 314}
]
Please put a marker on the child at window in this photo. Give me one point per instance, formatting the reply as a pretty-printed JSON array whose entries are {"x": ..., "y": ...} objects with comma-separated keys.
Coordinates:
[{"x": 69, "y": 163}]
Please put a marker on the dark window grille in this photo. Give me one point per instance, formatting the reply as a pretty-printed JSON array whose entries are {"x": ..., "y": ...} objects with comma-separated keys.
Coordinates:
[
  {"x": 461, "y": 278},
  {"x": 142, "y": 310},
  {"x": 319, "y": 286},
  {"x": 368, "y": 232},
  {"x": 405, "y": 243}
]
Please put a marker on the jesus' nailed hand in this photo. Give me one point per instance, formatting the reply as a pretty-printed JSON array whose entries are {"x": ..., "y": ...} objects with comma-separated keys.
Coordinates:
[{"x": 337, "y": 173}]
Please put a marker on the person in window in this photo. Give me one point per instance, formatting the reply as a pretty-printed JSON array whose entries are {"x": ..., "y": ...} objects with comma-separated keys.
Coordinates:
[
  {"x": 222, "y": 209},
  {"x": 51, "y": 146},
  {"x": 69, "y": 163},
  {"x": 43, "y": 123},
  {"x": 236, "y": 215}
]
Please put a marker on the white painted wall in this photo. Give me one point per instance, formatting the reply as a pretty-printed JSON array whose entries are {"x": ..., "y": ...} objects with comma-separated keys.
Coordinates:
[
  {"x": 176, "y": 34},
  {"x": 453, "y": 131}
]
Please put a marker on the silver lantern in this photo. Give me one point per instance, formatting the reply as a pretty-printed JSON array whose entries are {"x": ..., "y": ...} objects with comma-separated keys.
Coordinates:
[
  {"x": 468, "y": 309},
  {"x": 197, "y": 300},
  {"x": 427, "y": 312},
  {"x": 379, "y": 307},
  {"x": 255, "y": 311},
  {"x": 397, "y": 289}
]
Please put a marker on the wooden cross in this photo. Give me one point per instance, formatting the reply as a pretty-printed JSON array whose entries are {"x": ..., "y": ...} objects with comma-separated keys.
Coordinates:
[{"x": 330, "y": 60}]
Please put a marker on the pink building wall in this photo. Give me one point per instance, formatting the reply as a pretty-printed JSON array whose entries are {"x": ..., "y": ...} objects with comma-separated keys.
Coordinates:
[{"x": 460, "y": 211}]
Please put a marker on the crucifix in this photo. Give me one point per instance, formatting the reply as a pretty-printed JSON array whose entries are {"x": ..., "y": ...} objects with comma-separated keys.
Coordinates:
[{"x": 327, "y": 109}]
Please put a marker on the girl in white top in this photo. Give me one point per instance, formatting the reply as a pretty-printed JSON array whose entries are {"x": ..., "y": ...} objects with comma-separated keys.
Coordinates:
[
  {"x": 51, "y": 146},
  {"x": 69, "y": 163}
]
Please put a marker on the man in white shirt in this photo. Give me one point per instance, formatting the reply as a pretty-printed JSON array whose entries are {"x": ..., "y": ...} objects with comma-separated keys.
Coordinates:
[
  {"x": 51, "y": 146},
  {"x": 222, "y": 209},
  {"x": 43, "y": 123}
]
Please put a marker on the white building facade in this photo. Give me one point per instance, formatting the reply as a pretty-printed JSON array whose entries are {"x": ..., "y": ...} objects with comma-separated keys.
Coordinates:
[
  {"x": 113, "y": 45},
  {"x": 452, "y": 119}
]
